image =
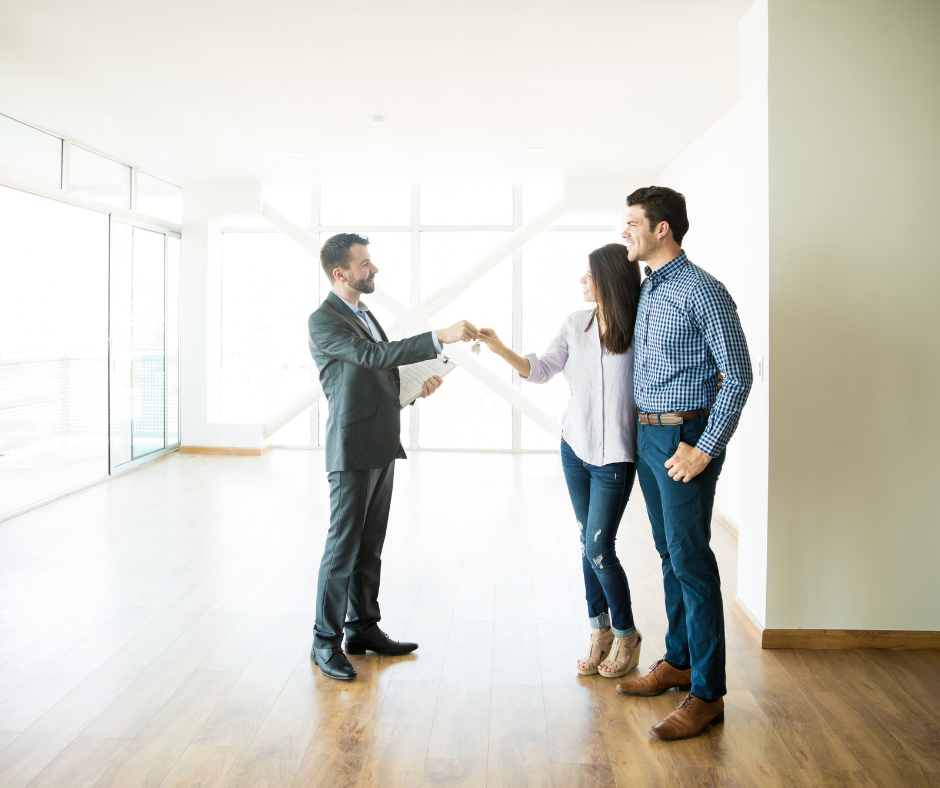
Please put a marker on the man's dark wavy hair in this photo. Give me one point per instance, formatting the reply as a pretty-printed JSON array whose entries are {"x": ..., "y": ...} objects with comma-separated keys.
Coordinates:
[
  {"x": 335, "y": 252},
  {"x": 662, "y": 204}
]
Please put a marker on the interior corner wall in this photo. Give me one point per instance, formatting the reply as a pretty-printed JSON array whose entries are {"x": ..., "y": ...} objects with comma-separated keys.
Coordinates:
[
  {"x": 708, "y": 173},
  {"x": 854, "y": 163}
]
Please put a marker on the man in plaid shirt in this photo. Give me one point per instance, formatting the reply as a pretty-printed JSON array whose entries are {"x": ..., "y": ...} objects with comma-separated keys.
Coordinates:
[{"x": 687, "y": 331}]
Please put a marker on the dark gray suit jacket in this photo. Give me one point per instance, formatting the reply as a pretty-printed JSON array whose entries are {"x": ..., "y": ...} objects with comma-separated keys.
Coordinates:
[{"x": 360, "y": 379}]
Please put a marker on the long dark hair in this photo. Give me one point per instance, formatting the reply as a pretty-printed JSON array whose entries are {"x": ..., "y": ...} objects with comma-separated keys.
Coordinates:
[{"x": 616, "y": 283}]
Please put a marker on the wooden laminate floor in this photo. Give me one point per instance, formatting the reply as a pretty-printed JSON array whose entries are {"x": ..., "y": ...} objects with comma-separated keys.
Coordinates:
[{"x": 155, "y": 630}]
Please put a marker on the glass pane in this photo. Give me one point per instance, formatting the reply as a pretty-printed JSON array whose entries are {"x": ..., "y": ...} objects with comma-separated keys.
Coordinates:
[
  {"x": 173, "y": 341},
  {"x": 53, "y": 348},
  {"x": 269, "y": 289},
  {"x": 29, "y": 152},
  {"x": 122, "y": 398},
  {"x": 147, "y": 342},
  {"x": 472, "y": 204},
  {"x": 552, "y": 265},
  {"x": 365, "y": 205},
  {"x": 536, "y": 197},
  {"x": 98, "y": 178},
  {"x": 159, "y": 198},
  {"x": 465, "y": 414}
]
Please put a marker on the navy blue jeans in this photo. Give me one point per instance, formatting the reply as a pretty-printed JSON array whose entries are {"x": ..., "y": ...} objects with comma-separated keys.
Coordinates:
[
  {"x": 599, "y": 494},
  {"x": 681, "y": 516}
]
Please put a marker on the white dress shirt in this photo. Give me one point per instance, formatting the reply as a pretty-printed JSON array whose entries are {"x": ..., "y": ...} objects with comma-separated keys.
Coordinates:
[{"x": 599, "y": 423}]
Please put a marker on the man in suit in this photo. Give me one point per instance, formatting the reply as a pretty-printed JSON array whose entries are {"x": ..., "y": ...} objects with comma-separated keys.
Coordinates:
[{"x": 359, "y": 374}]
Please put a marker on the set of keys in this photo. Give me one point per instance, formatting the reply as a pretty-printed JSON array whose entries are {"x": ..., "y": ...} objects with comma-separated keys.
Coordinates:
[{"x": 476, "y": 348}]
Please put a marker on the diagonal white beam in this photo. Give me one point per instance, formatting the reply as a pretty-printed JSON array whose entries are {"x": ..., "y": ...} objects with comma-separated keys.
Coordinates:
[
  {"x": 415, "y": 320},
  {"x": 447, "y": 293}
]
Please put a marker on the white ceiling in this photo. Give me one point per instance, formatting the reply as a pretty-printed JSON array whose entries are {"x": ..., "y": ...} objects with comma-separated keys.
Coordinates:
[{"x": 213, "y": 90}]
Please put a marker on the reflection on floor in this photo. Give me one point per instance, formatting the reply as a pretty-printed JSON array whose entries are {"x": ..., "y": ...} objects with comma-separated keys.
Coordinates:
[
  {"x": 40, "y": 470},
  {"x": 155, "y": 631}
]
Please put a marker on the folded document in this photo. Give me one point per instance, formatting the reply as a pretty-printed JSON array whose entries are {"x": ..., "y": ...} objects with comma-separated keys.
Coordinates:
[{"x": 412, "y": 376}]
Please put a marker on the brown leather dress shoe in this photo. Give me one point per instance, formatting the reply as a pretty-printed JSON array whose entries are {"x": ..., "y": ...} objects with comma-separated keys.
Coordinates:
[
  {"x": 662, "y": 676},
  {"x": 690, "y": 718}
]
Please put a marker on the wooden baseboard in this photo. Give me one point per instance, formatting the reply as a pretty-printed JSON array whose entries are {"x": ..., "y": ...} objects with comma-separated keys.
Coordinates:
[
  {"x": 908, "y": 640},
  {"x": 229, "y": 450},
  {"x": 726, "y": 522}
]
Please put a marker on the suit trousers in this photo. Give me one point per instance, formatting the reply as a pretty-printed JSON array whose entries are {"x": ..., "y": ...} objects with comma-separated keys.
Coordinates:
[{"x": 348, "y": 585}]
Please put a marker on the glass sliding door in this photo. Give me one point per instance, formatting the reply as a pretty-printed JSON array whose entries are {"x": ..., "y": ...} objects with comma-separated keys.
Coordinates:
[
  {"x": 139, "y": 312},
  {"x": 53, "y": 348}
]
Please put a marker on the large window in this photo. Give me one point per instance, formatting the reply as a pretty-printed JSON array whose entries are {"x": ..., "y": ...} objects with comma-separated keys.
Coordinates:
[
  {"x": 89, "y": 316},
  {"x": 420, "y": 239},
  {"x": 38, "y": 158}
]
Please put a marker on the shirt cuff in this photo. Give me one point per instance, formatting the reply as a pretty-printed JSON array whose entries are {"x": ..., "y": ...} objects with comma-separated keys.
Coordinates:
[
  {"x": 710, "y": 445},
  {"x": 437, "y": 343},
  {"x": 717, "y": 434},
  {"x": 535, "y": 369}
]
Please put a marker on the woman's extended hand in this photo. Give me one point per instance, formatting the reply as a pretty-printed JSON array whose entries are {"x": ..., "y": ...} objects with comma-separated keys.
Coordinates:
[
  {"x": 490, "y": 339},
  {"x": 494, "y": 343}
]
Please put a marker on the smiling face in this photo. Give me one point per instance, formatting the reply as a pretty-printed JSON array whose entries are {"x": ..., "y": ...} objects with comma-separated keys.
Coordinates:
[
  {"x": 360, "y": 275},
  {"x": 641, "y": 240},
  {"x": 587, "y": 286}
]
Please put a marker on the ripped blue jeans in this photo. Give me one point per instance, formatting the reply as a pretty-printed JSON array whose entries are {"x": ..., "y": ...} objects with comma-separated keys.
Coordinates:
[{"x": 599, "y": 495}]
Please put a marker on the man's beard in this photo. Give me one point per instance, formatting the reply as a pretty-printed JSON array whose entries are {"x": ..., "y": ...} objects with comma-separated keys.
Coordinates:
[{"x": 363, "y": 285}]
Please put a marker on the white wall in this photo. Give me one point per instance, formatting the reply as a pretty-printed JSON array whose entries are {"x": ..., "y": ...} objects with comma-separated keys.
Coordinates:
[
  {"x": 708, "y": 173},
  {"x": 854, "y": 155},
  {"x": 755, "y": 309}
]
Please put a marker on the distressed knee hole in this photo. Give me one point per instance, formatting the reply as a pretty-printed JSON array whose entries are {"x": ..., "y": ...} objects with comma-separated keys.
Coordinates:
[{"x": 599, "y": 561}]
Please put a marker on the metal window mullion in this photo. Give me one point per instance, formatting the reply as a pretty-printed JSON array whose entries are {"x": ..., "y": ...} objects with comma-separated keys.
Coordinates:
[
  {"x": 166, "y": 318},
  {"x": 516, "y": 313},
  {"x": 414, "y": 430}
]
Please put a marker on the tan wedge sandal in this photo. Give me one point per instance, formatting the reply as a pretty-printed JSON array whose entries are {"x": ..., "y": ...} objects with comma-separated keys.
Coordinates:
[
  {"x": 624, "y": 656},
  {"x": 601, "y": 640}
]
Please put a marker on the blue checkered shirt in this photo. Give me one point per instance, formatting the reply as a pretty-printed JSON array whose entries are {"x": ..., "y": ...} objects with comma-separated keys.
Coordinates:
[{"x": 687, "y": 331}]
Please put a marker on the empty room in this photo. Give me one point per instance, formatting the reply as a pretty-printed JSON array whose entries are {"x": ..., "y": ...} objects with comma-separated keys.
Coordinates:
[{"x": 469, "y": 395}]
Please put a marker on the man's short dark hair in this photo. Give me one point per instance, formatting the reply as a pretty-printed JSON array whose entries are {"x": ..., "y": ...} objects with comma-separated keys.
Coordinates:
[
  {"x": 335, "y": 252},
  {"x": 662, "y": 204}
]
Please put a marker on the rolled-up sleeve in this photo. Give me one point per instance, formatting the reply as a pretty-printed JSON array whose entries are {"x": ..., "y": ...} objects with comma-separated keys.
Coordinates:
[
  {"x": 543, "y": 368},
  {"x": 717, "y": 316}
]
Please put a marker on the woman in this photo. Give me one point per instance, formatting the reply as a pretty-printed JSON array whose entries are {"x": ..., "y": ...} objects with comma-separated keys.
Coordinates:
[{"x": 594, "y": 351}]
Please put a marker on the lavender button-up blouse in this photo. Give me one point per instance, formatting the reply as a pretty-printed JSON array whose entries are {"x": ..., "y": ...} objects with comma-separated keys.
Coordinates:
[{"x": 599, "y": 423}]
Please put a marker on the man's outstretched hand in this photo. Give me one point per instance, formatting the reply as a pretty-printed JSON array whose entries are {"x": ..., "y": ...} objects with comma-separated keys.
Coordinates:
[
  {"x": 431, "y": 385},
  {"x": 687, "y": 463},
  {"x": 459, "y": 332}
]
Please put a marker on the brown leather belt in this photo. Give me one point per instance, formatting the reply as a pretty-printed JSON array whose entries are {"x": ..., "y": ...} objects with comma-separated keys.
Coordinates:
[{"x": 672, "y": 419}]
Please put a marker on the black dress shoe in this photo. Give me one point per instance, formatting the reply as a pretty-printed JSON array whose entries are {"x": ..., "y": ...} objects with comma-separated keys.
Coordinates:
[
  {"x": 374, "y": 639},
  {"x": 333, "y": 663}
]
